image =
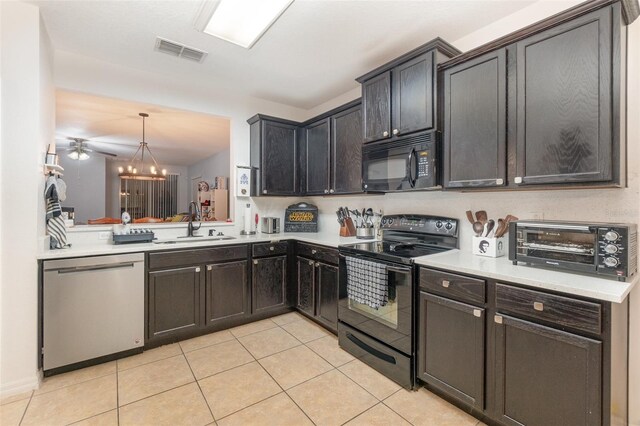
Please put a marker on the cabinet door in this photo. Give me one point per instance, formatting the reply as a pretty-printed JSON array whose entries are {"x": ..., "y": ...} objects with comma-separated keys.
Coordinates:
[
  {"x": 452, "y": 347},
  {"x": 564, "y": 103},
  {"x": 475, "y": 122},
  {"x": 413, "y": 100},
  {"x": 327, "y": 305},
  {"x": 269, "y": 281},
  {"x": 226, "y": 292},
  {"x": 347, "y": 151},
  {"x": 376, "y": 107},
  {"x": 546, "y": 376},
  {"x": 306, "y": 285},
  {"x": 317, "y": 147},
  {"x": 279, "y": 159},
  {"x": 174, "y": 301}
]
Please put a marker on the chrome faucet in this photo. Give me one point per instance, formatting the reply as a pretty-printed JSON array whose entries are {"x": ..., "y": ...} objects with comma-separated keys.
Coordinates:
[{"x": 193, "y": 208}]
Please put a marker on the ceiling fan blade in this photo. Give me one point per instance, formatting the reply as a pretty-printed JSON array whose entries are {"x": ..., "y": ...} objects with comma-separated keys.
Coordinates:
[{"x": 105, "y": 153}]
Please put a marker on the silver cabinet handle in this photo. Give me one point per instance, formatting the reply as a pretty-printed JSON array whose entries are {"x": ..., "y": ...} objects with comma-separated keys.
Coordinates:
[
  {"x": 499, "y": 181},
  {"x": 209, "y": 268},
  {"x": 326, "y": 191},
  {"x": 272, "y": 248},
  {"x": 517, "y": 179},
  {"x": 314, "y": 251},
  {"x": 198, "y": 269},
  {"x": 311, "y": 263},
  {"x": 385, "y": 133},
  {"x": 331, "y": 191},
  {"x": 445, "y": 283},
  {"x": 497, "y": 319},
  {"x": 538, "y": 306},
  {"x": 395, "y": 131},
  {"x": 477, "y": 313},
  {"x": 317, "y": 264},
  {"x": 255, "y": 262}
]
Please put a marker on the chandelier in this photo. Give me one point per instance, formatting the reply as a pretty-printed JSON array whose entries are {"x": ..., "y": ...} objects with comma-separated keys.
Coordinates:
[{"x": 137, "y": 169}]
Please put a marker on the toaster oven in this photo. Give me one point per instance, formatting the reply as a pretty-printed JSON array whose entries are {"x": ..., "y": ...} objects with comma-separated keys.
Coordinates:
[{"x": 607, "y": 250}]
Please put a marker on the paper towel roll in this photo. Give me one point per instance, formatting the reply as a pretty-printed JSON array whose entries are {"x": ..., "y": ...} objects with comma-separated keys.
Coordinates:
[{"x": 247, "y": 218}]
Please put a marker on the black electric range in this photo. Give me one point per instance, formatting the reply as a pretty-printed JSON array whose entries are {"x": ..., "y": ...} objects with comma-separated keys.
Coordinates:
[{"x": 377, "y": 296}]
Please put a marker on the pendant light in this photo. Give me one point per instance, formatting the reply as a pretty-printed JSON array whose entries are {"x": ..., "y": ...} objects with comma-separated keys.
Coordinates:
[{"x": 137, "y": 169}]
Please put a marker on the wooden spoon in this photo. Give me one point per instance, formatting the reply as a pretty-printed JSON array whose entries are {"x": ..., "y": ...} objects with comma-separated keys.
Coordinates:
[
  {"x": 507, "y": 220},
  {"x": 470, "y": 217},
  {"x": 481, "y": 216},
  {"x": 499, "y": 228}
]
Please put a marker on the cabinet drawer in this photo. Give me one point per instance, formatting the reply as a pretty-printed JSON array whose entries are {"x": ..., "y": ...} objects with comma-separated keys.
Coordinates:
[
  {"x": 559, "y": 310},
  {"x": 174, "y": 258},
  {"x": 270, "y": 249},
  {"x": 321, "y": 253},
  {"x": 455, "y": 286}
]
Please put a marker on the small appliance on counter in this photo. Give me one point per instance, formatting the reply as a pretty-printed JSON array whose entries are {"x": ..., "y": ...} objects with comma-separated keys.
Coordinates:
[
  {"x": 133, "y": 235},
  {"x": 270, "y": 225},
  {"x": 608, "y": 250},
  {"x": 301, "y": 217}
]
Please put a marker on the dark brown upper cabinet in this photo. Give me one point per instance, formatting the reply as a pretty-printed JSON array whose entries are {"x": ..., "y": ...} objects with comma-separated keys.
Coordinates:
[
  {"x": 541, "y": 107},
  {"x": 565, "y": 102},
  {"x": 274, "y": 156},
  {"x": 399, "y": 97},
  {"x": 475, "y": 113},
  {"x": 331, "y": 152}
]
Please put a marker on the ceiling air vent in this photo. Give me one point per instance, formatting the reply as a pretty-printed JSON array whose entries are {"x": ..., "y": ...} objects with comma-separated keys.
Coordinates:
[{"x": 180, "y": 50}]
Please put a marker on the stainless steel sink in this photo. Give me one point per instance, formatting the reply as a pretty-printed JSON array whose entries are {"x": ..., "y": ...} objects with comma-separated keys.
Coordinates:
[{"x": 195, "y": 239}]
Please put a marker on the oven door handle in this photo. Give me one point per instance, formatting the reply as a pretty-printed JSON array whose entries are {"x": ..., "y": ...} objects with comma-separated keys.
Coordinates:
[
  {"x": 412, "y": 180},
  {"x": 373, "y": 351},
  {"x": 399, "y": 270}
]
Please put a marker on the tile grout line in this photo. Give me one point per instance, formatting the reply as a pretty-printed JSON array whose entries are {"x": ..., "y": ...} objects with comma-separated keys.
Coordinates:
[
  {"x": 198, "y": 384},
  {"x": 25, "y": 409},
  {"x": 390, "y": 408},
  {"x": 90, "y": 417},
  {"x": 117, "y": 394},
  {"x": 76, "y": 383}
]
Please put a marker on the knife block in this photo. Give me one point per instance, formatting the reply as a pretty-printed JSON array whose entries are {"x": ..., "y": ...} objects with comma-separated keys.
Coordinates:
[{"x": 348, "y": 229}]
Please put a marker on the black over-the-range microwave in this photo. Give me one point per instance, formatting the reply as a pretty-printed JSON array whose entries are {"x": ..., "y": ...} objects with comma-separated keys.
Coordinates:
[
  {"x": 401, "y": 165},
  {"x": 603, "y": 249}
]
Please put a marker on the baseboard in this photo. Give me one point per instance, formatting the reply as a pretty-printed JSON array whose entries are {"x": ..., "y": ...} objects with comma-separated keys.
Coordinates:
[{"x": 22, "y": 385}]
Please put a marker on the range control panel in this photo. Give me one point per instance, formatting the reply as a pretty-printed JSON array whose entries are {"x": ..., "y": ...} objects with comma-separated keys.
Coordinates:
[{"x": 421, "y": 224}]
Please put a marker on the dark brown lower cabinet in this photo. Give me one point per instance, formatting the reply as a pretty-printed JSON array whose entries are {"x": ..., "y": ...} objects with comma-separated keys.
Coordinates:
[
  {"x": 327, "y": 301},
  {"x": 269, "y": 283},
  {"x": 227, "y": 292},
  {"x": 305, "y": 295},
  {"x": 451, "y": 354},
  {"x": 174, "y": 301},
  {"x": 546, "y": 376}
]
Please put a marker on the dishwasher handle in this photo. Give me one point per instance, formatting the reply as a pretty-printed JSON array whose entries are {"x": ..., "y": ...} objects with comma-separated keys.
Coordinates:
[{"x": 95, "y": 267}]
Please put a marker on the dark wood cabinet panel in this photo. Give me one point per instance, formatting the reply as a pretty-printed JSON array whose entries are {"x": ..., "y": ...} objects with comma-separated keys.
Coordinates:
[
  {"x": 320, "y": 253},
  {"x": 475, "y": 114},
  {"x": 306, "y": 286},
  {"x": 413, "y": 100},
  {"x": 346, "y": 127},
  {"x": 270, "y": 249},
  {"x": 564, "y": 103},
  {"x": 179, "y": 258},
  {"x": 327, "y": 298},
  {"x": 226, "y": 291},
  {"x": 269, "y": 283},
  {"x": 174, "y": 301},
  {"x": 317, "y": 148},
  {"x": 451, "y": 353},
  {"x": 376, "y": 107},
  {"x": 279, "y": 158},
  {"x": 546, "y": 376},
  {"x": 455, "y": 286}
]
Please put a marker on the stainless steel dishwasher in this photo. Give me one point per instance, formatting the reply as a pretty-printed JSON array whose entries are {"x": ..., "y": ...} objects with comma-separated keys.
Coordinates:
[{"x": 92, "y": 307}]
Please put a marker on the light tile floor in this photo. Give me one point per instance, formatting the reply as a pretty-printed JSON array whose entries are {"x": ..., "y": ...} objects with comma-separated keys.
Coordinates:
[{"x": 280, "y": 371}]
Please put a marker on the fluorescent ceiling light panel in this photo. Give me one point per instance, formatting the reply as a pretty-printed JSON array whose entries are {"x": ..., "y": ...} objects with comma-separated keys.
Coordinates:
[{"x": 243, "y": 22}]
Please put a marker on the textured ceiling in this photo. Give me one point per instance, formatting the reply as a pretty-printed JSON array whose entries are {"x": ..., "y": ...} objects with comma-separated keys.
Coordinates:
[
  {"x": 176, "y": 137},
  {"x": 309, "y": 56}
]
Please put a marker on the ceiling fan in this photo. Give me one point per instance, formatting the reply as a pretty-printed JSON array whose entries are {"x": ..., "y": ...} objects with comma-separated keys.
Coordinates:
[{"x": 79, "y": 150}]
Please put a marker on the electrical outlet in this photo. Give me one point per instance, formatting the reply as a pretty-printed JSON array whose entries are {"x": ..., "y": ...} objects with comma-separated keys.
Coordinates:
[{"x": 104, "y": 235}]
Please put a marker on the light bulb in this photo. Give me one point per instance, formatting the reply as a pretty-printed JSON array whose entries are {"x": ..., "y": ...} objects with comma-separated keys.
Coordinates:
[
  {"x": 152, "y": 169},
  {"x": 120, "y": 169},
  {"x": 129, "y": 168},
  {"x": 83, "y": 156},
  {"x": 164, "y": 172},
  {"x": 73, "y": 155},
  {"x": 135, "y": 170}
]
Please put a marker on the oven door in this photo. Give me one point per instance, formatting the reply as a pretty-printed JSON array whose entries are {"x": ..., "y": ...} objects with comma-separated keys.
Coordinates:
[
  {"x": 572, "y": 247},
  {"x": 392, "y": 323},
  {"x": 400, "y": 165}
]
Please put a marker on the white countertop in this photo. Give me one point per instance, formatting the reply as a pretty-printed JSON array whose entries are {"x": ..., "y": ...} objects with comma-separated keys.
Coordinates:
[
  {"x": 502, "y": 269},
  {"x": 320, "y": 238},
  {"x": 456, "y": 261}
]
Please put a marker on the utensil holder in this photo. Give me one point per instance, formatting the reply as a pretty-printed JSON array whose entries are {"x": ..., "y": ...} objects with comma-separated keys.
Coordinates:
[
  {"x": 365, "y": 233},
  {"x": 348, "y": 229},
  {"x": 489, "y": 247}
]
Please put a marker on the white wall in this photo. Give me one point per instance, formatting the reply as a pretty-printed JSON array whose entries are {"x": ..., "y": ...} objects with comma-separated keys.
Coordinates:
[
  {"x": 27, "y": 126},
  {"x": 207, "y": 169},
  {"x": 85, "y": 186}
]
